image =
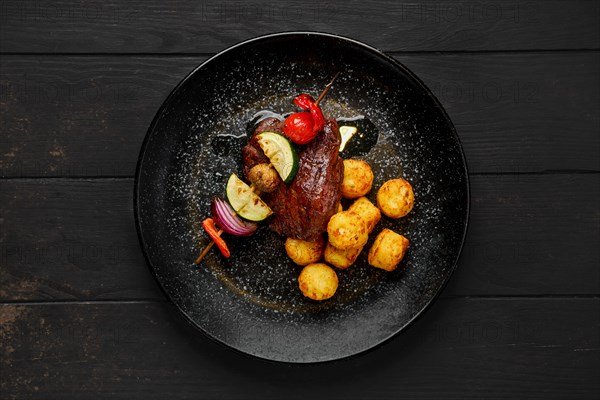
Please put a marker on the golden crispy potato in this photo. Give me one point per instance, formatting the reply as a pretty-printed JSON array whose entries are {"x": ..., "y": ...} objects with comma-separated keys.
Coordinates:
[
  {"x": 388, "y": 250},
  {"x": 318, "y": 281},
  {"x": 395, "y": 198},
  {"x": 358, "y": 179},
  {"x": 347, "y": 230},
  {"x": 341, "y": 258},
  {"x": 367, "y": 211},
  {"x": 340, "y": 208},
  {"x": 302, "y": 252}
]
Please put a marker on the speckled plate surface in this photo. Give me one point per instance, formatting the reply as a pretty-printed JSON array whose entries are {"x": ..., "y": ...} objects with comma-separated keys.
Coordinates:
[{"x": 251, "y": 302}]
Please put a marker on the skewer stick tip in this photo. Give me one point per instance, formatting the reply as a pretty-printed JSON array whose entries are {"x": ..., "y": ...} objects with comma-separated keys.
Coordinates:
[{"x": 327, "y": 87}]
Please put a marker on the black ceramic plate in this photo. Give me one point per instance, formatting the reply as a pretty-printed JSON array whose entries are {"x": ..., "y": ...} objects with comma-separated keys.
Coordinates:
[{"x": 251, "y": 302}]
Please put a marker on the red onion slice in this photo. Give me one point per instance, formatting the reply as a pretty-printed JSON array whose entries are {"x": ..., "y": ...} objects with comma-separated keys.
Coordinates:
[{"x": 226, "y": 218}]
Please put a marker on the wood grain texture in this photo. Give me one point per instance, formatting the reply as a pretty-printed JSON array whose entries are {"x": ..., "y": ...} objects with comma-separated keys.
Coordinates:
[
  {"x": 460, "y": 349},
  {"x": 87, "y": 116},
  {"x": 71, "y": 240},
  {"x": 76, "y": 239},
  {"x": 531, "y": 235},
  {"x": 152, "y": 26},
  {"x": 520, "y": 112},
  {"x": 79, "y": 116}
]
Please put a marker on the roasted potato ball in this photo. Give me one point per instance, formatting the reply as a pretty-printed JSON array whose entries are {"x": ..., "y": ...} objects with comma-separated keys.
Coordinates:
[
  {"x": 367, "y": 211},
  {"x": 302, "y": 252},
  {"x": 395, "y": 198},
  {"x": 264, "y": 177},
  {"x": 358, "y": 179},
  {"x": 341, "y": 258},
  {"x": 388, "y": 250},
  {"x": 347, "y": 230},
  {"x": 318, "y": 281}
]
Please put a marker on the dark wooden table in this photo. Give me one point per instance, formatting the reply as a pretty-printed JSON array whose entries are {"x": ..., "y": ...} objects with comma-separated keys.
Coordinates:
[{"x": 82, "y": 318}]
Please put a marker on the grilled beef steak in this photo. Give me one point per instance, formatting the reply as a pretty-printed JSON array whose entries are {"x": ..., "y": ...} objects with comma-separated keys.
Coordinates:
[{"x": 303, "y": 208}]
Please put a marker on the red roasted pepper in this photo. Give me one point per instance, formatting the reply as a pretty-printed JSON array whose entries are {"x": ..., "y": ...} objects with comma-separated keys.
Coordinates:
[
  {"x": 300, "y": 127},
  {"x": 306, "y": 102},
  {"x": 318, "y": 117},
  {"x": 209, "y": 226}
]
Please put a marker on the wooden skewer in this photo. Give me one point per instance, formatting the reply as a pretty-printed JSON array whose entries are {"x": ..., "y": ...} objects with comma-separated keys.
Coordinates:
[
  {"x": 220, "y": 231},
  {"x": 327, "y": 87},
  {"x": 207, "y": 249}
]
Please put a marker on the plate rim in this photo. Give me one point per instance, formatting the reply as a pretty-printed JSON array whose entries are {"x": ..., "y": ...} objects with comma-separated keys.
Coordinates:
[{"x": 378, "y": 53}]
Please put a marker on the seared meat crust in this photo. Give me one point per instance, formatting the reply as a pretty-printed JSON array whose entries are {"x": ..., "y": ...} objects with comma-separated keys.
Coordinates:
[{"x": 303, "y": 208}]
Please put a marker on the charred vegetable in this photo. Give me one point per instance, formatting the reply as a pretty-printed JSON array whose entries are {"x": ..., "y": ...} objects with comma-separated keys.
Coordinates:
[
  {"x": 226, "y": 218},
  {"x": 281, "y": 153},
  {"x": 264, "y": 177},
  {"x": 244, "y": 201}
]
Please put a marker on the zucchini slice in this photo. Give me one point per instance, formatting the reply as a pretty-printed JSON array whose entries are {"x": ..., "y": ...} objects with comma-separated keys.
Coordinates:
[
  {"x": 244, "y": 201},
  {"x": 281, "y": 153}
]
